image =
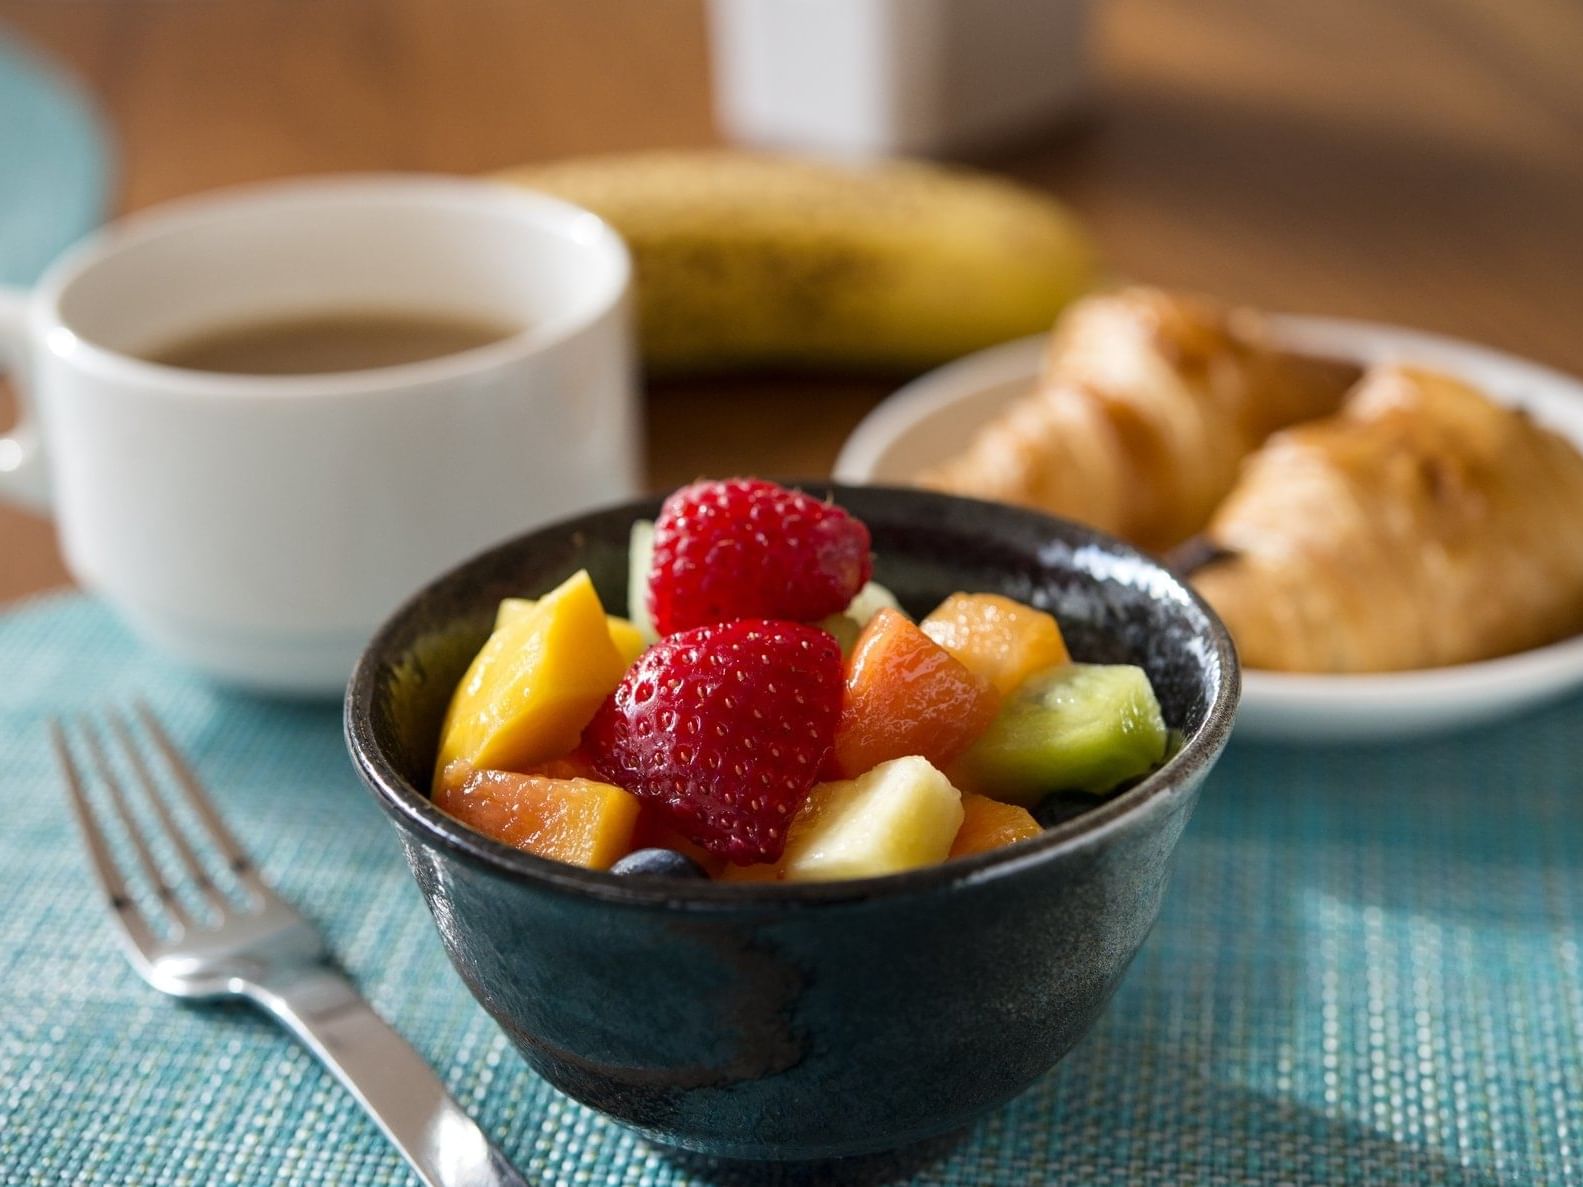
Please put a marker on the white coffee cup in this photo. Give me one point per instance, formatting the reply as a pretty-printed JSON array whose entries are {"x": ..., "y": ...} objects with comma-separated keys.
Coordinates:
[{"x": 257, "y": 527}]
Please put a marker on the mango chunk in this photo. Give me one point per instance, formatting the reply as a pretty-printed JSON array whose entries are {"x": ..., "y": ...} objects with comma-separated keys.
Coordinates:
[
  {"x": 511, "y": 609},
  {"x": 901, "y": 815},
  {"x": 989, "y": 824},
  {"x": 578, "y": 821},
  {"x": 906, "y": 695},
  {"x": 535, "y": 684},
  {"x": 624, "y": 634},
  {"x": 997, "y": 637}
]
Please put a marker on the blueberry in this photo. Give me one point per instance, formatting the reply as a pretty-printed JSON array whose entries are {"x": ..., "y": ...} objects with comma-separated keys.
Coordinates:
[{"x": 659, "y": 863}]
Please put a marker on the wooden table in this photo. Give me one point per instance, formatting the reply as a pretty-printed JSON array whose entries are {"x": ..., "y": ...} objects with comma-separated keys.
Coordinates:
[{"x": 1419, "y": 161}]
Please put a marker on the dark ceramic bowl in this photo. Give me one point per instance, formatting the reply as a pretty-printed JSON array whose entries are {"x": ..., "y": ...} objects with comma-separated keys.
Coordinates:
[{"x": 807, "y": 1021}]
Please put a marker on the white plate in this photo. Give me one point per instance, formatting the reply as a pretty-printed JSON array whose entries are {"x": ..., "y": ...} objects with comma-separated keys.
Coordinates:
[{"x": 931, "y": 417}]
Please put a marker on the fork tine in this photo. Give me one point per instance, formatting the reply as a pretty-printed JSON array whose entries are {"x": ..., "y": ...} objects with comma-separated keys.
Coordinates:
[
  {"x": 177, "y": 835},
  {"x": 99, "y": 857},
  {"x": 145, "y": 855},
  {"x": 235, "y": 856}
]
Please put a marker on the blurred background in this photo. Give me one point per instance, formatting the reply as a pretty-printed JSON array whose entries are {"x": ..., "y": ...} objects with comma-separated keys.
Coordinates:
[
  {"x": 1363, "y": 974},
  {"x": 1419, "y": 161}
]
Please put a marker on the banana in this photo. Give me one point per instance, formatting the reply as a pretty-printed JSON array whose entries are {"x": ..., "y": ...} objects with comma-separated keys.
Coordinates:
[{"x": 748, "y": 260}]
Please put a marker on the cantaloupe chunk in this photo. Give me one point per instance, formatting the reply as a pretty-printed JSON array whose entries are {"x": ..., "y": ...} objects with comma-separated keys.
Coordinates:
[
  {"x": 989, "y": 824},
  {"x": 624, "y": 634},
  {"x": 905, "y": 695},
  {"x": 901, "y": 815},
  {"x": 535, "y": 684},
  {"x": 579, "y": 821},
  {"x": 997, "y": 637}
]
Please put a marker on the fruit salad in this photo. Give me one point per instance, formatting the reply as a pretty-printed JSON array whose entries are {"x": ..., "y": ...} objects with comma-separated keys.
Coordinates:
[{"x": 769, "y": 713}]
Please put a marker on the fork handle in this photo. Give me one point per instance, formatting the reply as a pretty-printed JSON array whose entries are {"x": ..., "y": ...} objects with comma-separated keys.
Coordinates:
[{"x": 389, "y": 1079}]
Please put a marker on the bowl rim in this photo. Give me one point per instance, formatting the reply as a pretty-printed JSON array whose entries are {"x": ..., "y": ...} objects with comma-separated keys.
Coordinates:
[{"x": 411, "y": 808}]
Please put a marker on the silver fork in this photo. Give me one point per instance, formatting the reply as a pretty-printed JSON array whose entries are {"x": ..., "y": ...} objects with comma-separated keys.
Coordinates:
[{"x": 255, "y": 946}]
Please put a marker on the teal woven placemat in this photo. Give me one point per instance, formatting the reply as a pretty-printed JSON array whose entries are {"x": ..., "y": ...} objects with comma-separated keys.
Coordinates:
[
  {"x": 1368, "y": 971},
  {"x": 54, "y": 162}
]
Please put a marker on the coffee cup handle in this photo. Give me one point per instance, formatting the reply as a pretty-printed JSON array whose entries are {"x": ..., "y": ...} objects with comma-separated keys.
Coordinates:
[{"x": 21, "y": 450}]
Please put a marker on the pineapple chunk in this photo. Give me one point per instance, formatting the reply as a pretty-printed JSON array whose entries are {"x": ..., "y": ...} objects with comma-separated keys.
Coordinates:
[
  {"x": 869, "y": 601},
  {"x": 901, "y": 815},
  {"x": 640, "y": 557}
]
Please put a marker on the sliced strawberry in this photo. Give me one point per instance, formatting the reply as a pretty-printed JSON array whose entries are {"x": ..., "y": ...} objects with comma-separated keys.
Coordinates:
[
  {"x": 723, "y": 729},
  {"x": 746, "y": 548}
]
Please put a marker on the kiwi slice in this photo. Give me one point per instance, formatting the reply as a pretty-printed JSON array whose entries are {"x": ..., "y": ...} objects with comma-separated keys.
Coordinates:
[
  {"x": 849, "y": 623},
  {"x": 846, "y": 630},
  {"x": 1078, "y": 727}
]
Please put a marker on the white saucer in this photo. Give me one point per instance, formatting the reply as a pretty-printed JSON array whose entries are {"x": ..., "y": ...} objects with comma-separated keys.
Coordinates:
[{"x": 931, "y": 417}]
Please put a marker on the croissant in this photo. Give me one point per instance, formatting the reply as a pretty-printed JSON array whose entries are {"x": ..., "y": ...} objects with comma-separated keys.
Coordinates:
[
  {"x": 1423, "y": 525},
  {"x": 1147, "y": 404}
]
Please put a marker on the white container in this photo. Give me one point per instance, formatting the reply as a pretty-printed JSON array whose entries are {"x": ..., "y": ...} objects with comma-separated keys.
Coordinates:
[
  {"x": 259, "y": 527},
  {"x": 875, "y": 77}
]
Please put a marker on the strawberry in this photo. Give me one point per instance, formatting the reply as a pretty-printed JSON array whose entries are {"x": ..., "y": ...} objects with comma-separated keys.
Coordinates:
[
  {"x": 746, "y": 548},
  {"x": 724, "y": 729}
]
